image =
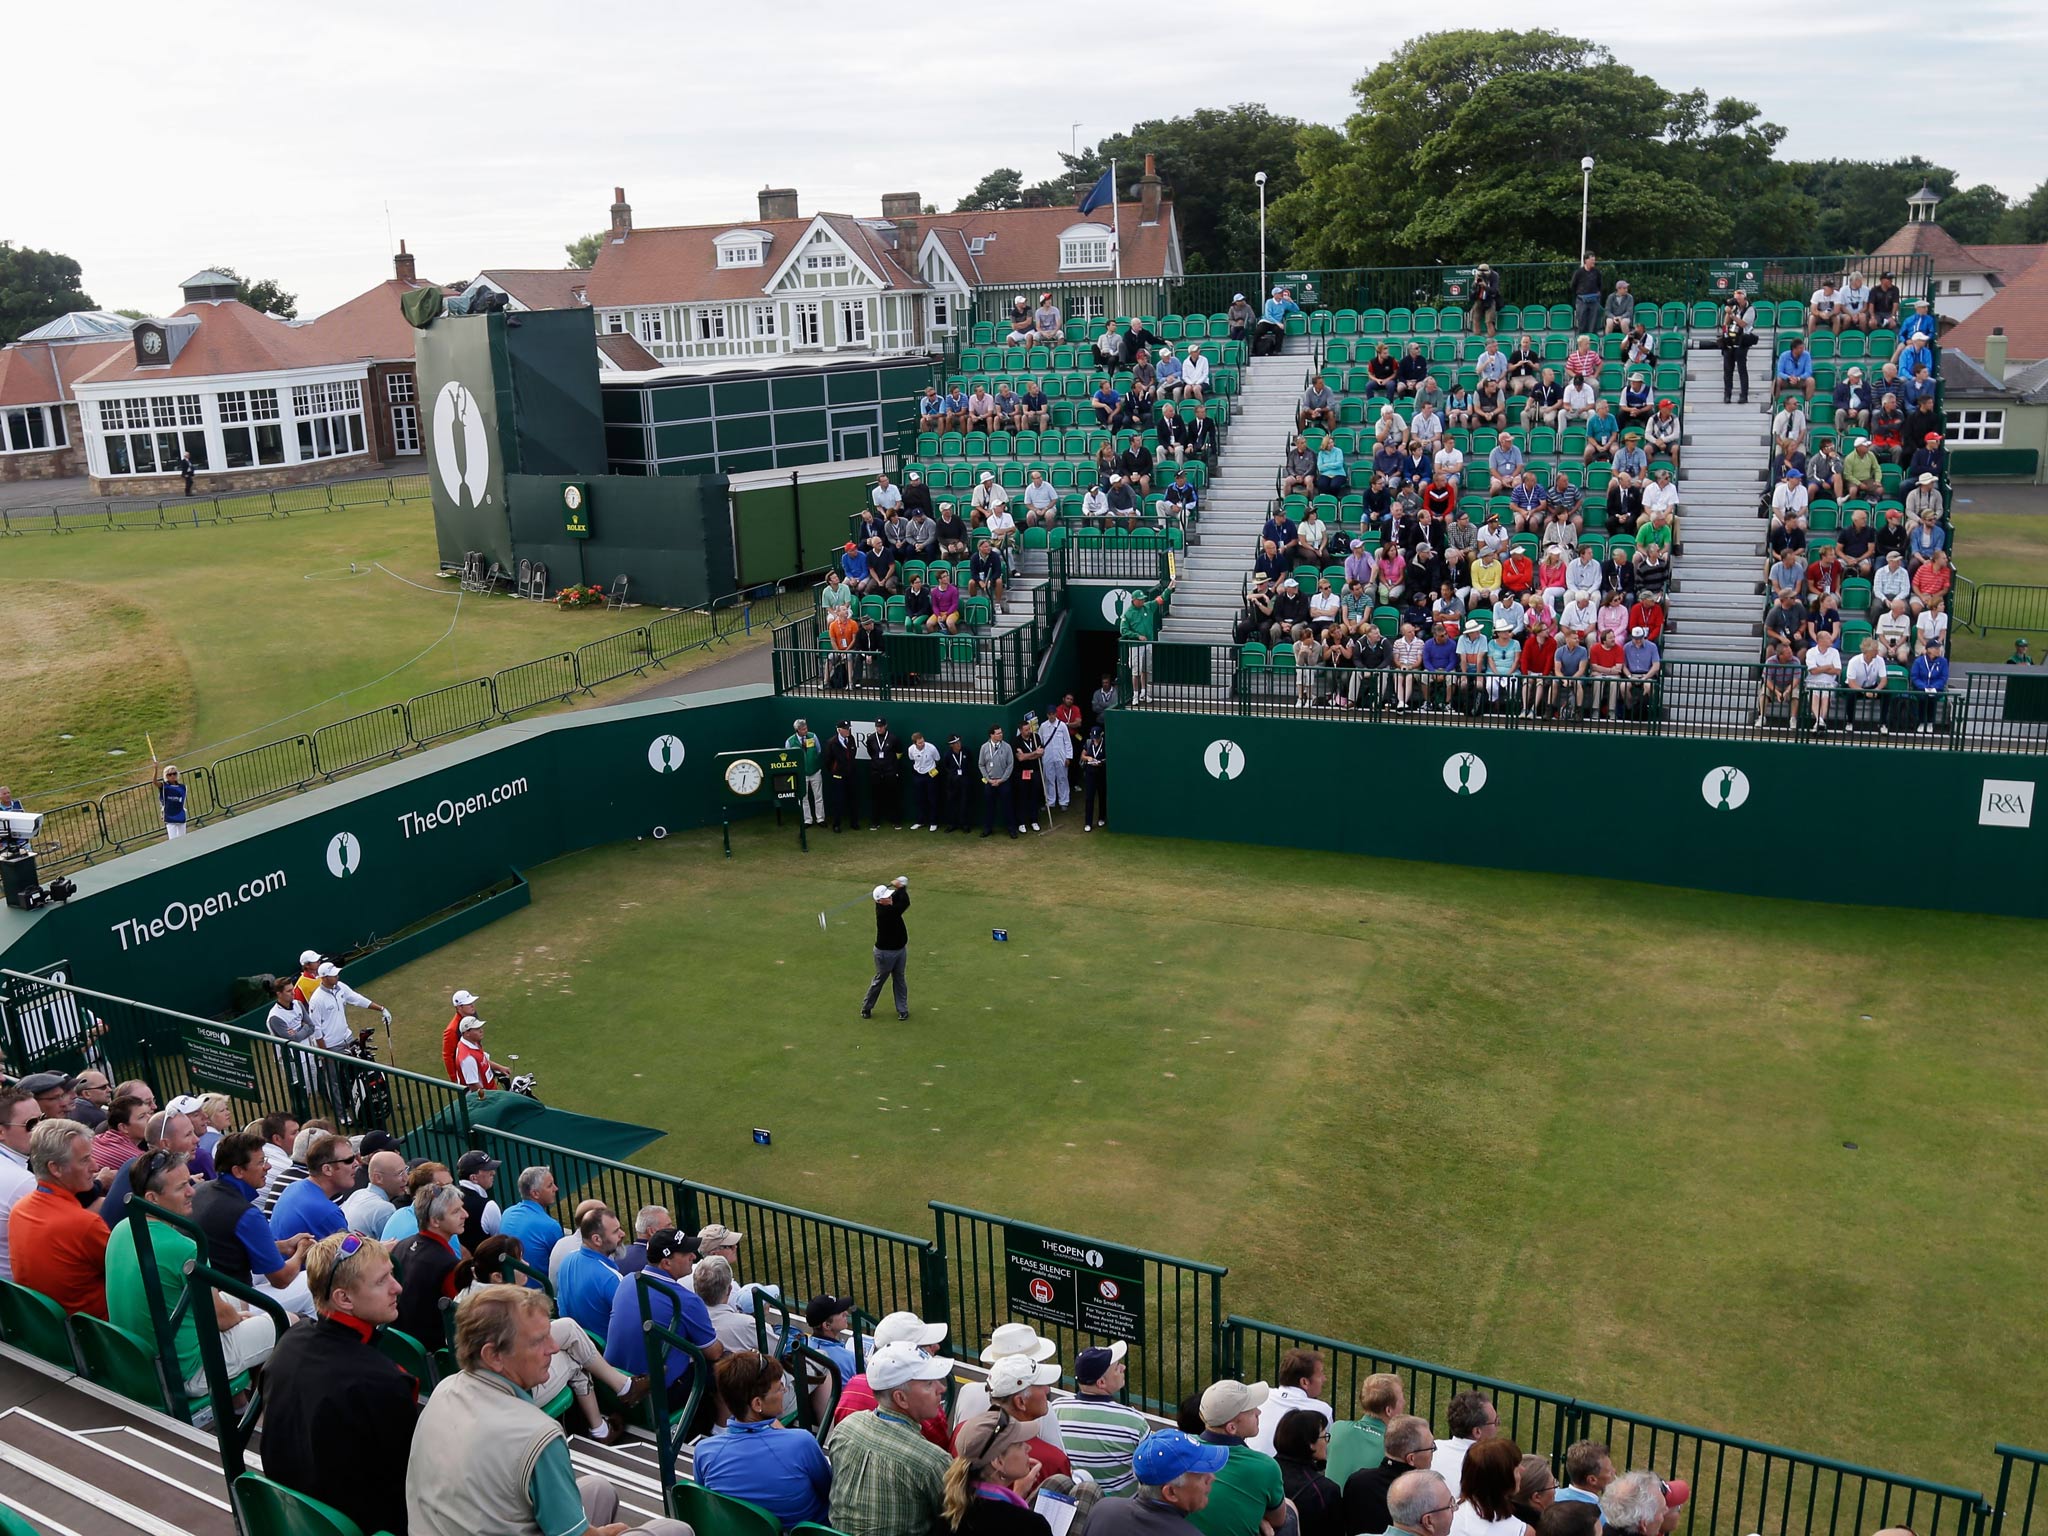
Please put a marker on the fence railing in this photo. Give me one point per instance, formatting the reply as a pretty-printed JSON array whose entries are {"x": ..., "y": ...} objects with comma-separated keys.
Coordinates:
[
  {"x": 85, "y": 831},
  {"x": 1729, "y": 701},
  {"x": 1673, "y": 280},
  {"x": 968, "y": 1276},
  {"x": 2003, "y": 605},
  {"x": 126, "y": 513}
]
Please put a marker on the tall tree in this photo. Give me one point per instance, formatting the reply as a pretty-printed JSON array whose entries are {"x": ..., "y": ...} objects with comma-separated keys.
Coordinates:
[
  {"x": 1862, "y": 202},
  {"x": 1207, "y": 161},
  {"x": 1000, "y": 188},
  {"x": 35, "y": 288},
  {"x": 583, "y": 252},
  {"x": 263, "y": 294},
  {"x": 1466, "y": 146},
  {"x": 2027, "y": 222}
]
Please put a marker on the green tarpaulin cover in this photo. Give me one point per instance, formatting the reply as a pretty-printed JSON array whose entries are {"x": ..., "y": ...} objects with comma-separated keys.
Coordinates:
[{"x": 517, "y": 1115}]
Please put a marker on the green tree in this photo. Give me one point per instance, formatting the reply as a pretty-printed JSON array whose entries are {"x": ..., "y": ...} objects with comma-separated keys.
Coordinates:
[
  {"x": 583, "y": 252},
  {"x": 1207, "y": 161},
  {"x": 1000, "y": 188},
  {"x": 35, "y": 288},
  {"x": 263, "y": 294},
  {"x": 2026, "y": 223},
  {"x": 1466, "y": 146},
  {"x": 1974, "y": 215},
  {"x": 1861, "y": 203}
]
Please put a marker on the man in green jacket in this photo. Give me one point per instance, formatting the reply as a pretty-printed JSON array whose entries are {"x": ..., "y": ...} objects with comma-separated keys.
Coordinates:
[
  {"x": 1137, "y": 629},
  {"x": 1362, "y": 1442},
  {"x": 812, "y": 796}
]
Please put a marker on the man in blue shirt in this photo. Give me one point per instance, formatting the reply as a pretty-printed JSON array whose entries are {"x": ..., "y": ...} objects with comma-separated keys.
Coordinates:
[
  {"x": 1929, "y": 678},
  {"x": 853, "y": 564},
  {"x": 1920, "y": 326},
  {"x": 589, "y": 1279},
  {"x": 1109, "y": 407},
  {"x": 1640, "y": 660},
  {"x": 170, "y": 790},
  {"x": 529, "y": 1221},
  {"x": 1795, "y": 368},
  {"x": 828, "y": 1317},
  {"x": 956, "y": 408},
  {"x": 670, "y": 1254},
  {"x": 1271, "y": 332},
  {"x": 311, "y": 1204},
  {"x": 1915, "y": 354}
]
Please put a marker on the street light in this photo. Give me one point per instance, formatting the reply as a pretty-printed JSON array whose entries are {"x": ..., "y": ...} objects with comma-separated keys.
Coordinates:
[
  {"x": 1261, "y": 180},
  {"x": 1585, "y": 197}
]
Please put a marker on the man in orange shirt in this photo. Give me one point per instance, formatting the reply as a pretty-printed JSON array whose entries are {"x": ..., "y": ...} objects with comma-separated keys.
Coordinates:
[
  {"x": 309, "y": 975},
  {"x": 56, "y": 1245},
  {"x": 465, "y": 1008}
]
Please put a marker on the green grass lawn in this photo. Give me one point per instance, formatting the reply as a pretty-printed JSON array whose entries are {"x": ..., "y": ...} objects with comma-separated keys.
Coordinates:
[
  {"x": 1584, "y": 1135},
  {"x": 195, "y": 636},
  {"x": 2001, "y": 547}
]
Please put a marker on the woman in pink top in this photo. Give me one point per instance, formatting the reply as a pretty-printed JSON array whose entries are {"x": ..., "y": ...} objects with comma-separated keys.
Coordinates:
[
  {"x": 1550, "y": 573},
  {"x": 1391, "y": 569},
  {"x": 1613, "y": 615},
  {"x": 945, "y": 604}
]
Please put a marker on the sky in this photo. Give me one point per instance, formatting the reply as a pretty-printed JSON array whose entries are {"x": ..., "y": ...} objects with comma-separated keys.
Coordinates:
[{"x": 302, "y": 143}]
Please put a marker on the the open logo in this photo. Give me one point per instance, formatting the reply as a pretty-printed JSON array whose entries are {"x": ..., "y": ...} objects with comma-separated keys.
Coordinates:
[
  {"x": 457, "y": 416},
  {"x": 344, "y": 855}
]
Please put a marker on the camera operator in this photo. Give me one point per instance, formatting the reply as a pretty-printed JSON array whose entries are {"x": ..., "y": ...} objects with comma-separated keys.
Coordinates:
[{"x": 1737, "y": 336}]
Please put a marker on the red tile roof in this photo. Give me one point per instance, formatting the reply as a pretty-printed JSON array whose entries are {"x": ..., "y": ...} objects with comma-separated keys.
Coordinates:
[
  {"x": 541, "y": 287},
  {"x": 2021, "y": 307},
  {"x": 369, "y": 325},
  {"x": 28, "y": 375},
  {"x": 679, "y": 265},
  {"x": 2007, "y": 262},
  {"x": 627, "y": 353}
]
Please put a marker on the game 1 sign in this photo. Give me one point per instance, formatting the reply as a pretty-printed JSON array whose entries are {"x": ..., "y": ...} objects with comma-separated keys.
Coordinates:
[{"x": 1076, "y": 1284}]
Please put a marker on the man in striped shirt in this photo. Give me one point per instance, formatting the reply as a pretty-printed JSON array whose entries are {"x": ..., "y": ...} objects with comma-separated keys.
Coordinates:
[{"x": 1101, "y": 1434}]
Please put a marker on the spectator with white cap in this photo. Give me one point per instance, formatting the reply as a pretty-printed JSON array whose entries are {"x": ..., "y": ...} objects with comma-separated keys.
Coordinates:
[
  {"x": 1019, "y": 1340},
  {"x": 1240, "y": 317},
  {"x": 900, "y": 1328},
  {"x": 1300, "y": 1385},
  {"x": 888, "y": 1479},
  {"x": 465, "y": 1008},
  {"x": 1021, "y": 1387},
  {"x": 1194, "y": 375},
  {"x": 1249, "y": 1498},
  {"x": 1176, "y": 1474},
  {"x": 1100, "y": 1434}
]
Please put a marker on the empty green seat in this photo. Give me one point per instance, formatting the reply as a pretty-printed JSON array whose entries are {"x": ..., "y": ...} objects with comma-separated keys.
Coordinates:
[
  {"x": 31, "y": 1321},
  {"x": 718, "y": 1514},
  {"x": 265, "y": 1508}
]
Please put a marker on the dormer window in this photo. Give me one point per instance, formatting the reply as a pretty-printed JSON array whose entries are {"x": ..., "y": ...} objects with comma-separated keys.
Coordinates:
[
  {"x": 742, "y": 248},
  {"x": 1084, "y": 247}
]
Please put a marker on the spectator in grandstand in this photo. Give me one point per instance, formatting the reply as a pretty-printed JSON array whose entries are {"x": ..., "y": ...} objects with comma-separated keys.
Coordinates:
[
  {"x": 127, "y": 1122},
  {"x": 1241, "y": 316},
  {"x": 1853, "y": 401},
  {"x": 1135, "y": 342},
  {"x": 1248, "y": 1493},
  {"x": 1794, "y": 374},
  {"x": 1894, "y": 631},
  {"x": 1888, "y": 430},
  {"x": 1588, "y": 1470},
  {"x": 920, "y": 534},
  {"x": 1486, "y": 1504},
  {"x": 370, "y": 1209},
  {"x": 1586, "y": 288},
  {"x": 1472, "y": 1418},
  {"x": 1171, "y": 437},
  {"x": 755, "y": 1457},
  {"x": 1642, "y": 662},
  {"x": 1298, "y": 470},
  {"x": 484, "y": 1456},
  {"x": 1301, "y": 1379},
  {"x": 94, "y": 1093},
  {"x": 985, "y": 572},
  {"x": 1580, "y": 398},
  {"x": 310, "y": 1205},
  {"x": 1619, "y": 313},
  {"x": 1301, "y": 1442},
  {"x": 1603, "y": 431},
  {"x": 1410, "y": 372},
  {"x": 990, "y": 1479},
  {"x": 1144, "y": 393},
  {"x": 1916, "y": 351},
  {"x": 402, "y": 1222},
  {"x": 1136, "y": 464},
  {"x": 671, "y": 1258},
  {"x": 887, "y": 1476},
  {"x": 1504, "y": 465},
  {"x": 1930, "y": 628},
  {"x": 711, "y": 1279},
  {"x": 1583, "y": 363},
  {"x": 338, "y": 1415},
  {"x": 1824, "y": 308},
  {"x": 1332, "y": 477},
  {"x": 953, "y": 532},
  {"x": 1663, "y": 433},
  {"x": 56, "y": 1244},
  {"x": 475, "y": 1174},
  {"x": 1932, "y": 578},
  {"x": 1194, "y": 376},
  {"x": 1929, "y": 678},
  {"x": 1167, "y": 381},
  {"x": 1317, "y": 404},
  {"x": 1635, "y": 1504},
  {"x": 1789, "y": 429},
  {"x": 239, "y": 1239},
  {"x": 589, "y": 1277},
  {"x": 1458, "y": 407},
  {"x": 19, "y": 1115},
  {"x": 1182, "y": 495},
  {"x": 428, "y": 1261},
  {"x": 1524, "y": 366},
  {"x": 1930, "y": 457},
  {"x": 1361, "y": 1442},
  {"x": 1543, "y": 401},
  {"x": 1109, "y": 347},
  {"x": 1638, "y": 402},
  {"x": 1892, "y": 581},
  {"x": 1100, "y": 1434},
  {"x": 1271, "y": 332},
  {"x": 1382, "y": 372},
  {"x": 1865, "y": 676},
  {"x": 1823, "y": 674},
  {"x": 1857, "y": 544},
  {"x": 1408, "y": 1447},
  {"x": 529, "y": 1219}
]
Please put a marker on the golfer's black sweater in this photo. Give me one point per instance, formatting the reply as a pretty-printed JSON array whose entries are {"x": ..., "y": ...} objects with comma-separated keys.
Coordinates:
[{"x": 889, "y": 930}]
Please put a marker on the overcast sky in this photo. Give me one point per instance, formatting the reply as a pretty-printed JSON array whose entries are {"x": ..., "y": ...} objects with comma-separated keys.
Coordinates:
[{"x": 299, "y": 143}]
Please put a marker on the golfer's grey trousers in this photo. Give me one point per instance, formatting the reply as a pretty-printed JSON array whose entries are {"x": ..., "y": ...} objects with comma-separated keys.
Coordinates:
[{"x": 889, "y": 967}]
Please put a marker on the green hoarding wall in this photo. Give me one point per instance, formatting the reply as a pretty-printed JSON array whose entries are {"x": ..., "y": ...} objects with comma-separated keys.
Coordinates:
[
  {"x": 1860, "y": 825},
  {"x": 671, "y": 538},
  {"x": 780, "y": 530}
]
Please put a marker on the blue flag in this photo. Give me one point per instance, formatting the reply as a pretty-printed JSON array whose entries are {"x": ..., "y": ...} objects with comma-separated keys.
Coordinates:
[{"x": 1104, "y": 191}]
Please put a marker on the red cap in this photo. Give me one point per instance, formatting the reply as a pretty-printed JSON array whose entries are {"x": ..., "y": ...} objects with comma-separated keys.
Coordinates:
[
  {"x": 1664, "y": 402},
  {"x": 1676, "y": 1492},
  {"x": 1934, "y": 437},
  {"x": 851, "y": 545}
]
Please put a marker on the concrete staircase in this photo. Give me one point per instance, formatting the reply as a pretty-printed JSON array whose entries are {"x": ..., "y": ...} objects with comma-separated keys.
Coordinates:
[
  {"x": 1717, "y": 591},
  {"x": 1210, "y": 595}
]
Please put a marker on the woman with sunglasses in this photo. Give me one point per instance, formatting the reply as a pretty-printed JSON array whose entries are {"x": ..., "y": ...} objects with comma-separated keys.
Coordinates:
[
  {"x": 1301, "y": 1444},
  {"x": 989, "y": 1485}
]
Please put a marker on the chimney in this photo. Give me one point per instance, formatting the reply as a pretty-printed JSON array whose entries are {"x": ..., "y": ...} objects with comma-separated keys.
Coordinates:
[
  {"x": 778, "y": 203},
  {"x": 1148, "y": 194},
  {"x": 901, "y": 205},
  {"x": 401, "y": 264},
  {"x": 622, "y": 214},
  {"x": 1994, "y": 354}
]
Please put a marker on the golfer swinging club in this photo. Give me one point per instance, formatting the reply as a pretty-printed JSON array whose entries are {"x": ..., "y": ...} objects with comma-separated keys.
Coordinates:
[{"x": 892, "y": 946}]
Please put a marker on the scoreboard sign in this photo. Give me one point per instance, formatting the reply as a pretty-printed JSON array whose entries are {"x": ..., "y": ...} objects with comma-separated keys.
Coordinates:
[{"x": 1074, "y": 1283}]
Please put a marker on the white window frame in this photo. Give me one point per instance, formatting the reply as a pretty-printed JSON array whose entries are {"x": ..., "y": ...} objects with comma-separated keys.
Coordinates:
[
  {"x": 739, "y": 255},
  {"x": 615, "y": 323},
  {"x": 711, "y": 323},
  {"x": 1977, "y": 427},
  {"x": 808, "y": 319},
  {"x": 827, "y": 261},
  {"x": 400, "y": 388},
  {"x": 24, "y": 421},
  {"x": 942, "y": 312},
  {"x": 762, "y": 323},
  {"x": 251, "y": 415},
  {"x": 649, "y": 327},
  {"x": 1088, "y": 306},
  {"x": 853, "y": 322},
  {"x": 329, "y": 419}
]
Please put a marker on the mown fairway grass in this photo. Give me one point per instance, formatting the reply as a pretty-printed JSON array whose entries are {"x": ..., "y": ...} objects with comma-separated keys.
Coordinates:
[
  {"x": 2001, "y": 547},
  {"x": 1580, "y": 1134},
  {"x": 194, "y": 636}
]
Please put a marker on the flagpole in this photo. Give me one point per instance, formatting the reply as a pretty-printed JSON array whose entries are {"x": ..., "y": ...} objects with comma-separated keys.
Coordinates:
[{"x": 1116, "y": 234}]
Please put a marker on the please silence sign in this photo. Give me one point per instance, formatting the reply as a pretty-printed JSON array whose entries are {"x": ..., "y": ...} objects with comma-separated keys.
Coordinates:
[{"x": 1074, "y": 1283}]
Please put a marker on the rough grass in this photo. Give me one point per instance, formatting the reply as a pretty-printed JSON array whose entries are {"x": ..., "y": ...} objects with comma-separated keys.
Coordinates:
[
  {"x": 1581, "y": 1134},
  {"x": 2001, "y": 547},
  {"x": 229, "y": 615}
]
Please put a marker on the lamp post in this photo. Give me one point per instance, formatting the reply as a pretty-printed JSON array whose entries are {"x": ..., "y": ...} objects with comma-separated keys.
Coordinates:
[
  {"x": 1585, "y": 198},
  {"x": 1261, "y": 180}
]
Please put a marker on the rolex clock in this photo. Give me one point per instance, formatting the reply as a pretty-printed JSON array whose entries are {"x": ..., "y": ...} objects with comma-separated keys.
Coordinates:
[
  {"x": 576, "y": 509},
  {"x": 743, "y": 776}
]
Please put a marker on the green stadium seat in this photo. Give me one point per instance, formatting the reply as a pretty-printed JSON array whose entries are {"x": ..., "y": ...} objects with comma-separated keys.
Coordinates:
[
  {"x": 1672, "y": 317},
  {"x": 1822, "y": 516},
  {"x": 1423, "y": 322},
  {"x": 1001, "y": 445},
  {"x": 1372, "y": 322},
  {"x": 120, "y": 1361},
  {"x": 266, "y": 1508},
  {"x": 1345, "y": 323},
  {"x": 895, "y": 609},
  {"x": 978, "y": 612},
  {"x": 1851, "y": 345},
  {"x": 1821, "y": 344},
  {"x": 1319, "y": 323},
  {"x": 1854, "y": 633},
  {"x": 409, "y": 1355},
  {"x": 33, "y": 1322},
  {"x": 1387, "y": 621},
  {"x": 984, "y": 333},
  {"x": 1400, "y": 322},
  {"x": 1856, "y": 595},
  {"x": 1560, "y": 317},
  {"x": 1706, "y": 314}
]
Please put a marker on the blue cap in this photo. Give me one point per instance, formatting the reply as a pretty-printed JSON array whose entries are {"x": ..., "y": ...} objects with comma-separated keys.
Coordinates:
[{"x": 1166, "y": 1454}]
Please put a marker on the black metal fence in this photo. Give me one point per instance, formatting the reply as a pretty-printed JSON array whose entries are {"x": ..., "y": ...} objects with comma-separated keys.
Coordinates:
[
  {"x": 118, "y": 514},
  {"x": 2004, "y": 606},
  {"x": 83, "y": 831},
  {"x": 1730, "y": 701}
]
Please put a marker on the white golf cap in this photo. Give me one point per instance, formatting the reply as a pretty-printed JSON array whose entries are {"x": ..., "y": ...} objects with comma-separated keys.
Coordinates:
[
  {"x": 466, "y": 999},
  {"x": 329, "y": 968},
  {"x": 986, "y": 477},
  {"x": 908, "y": 1328},
  {"x": 309, "y": 957},
  {"x": 1016, "y": 1373},
  {"x": 1018, "y": 1339},
  {"x": 1225, "y": 1400},
  {"x": 881, "y": 893},
  {"x": 896, "y": 1365},
  {"x": 183, "y": 1104},
  {"x": 470, "y": 1023}
]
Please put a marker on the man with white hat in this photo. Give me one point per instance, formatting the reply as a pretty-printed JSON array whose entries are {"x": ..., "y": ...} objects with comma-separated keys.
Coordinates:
[
  {"x": 1272, "y": 325},
  {"x": 465, "y": 1003},
  {"x": 887, "y": 1478},
  {"x": 327, "y": 1009},
  {"x": 309, "y": 974},
  {"x": 1012, "y": 1341},
  {"x": 892, "y": 946},
  {"x": 474, "y": 1069},
  {"x": 1248, "y": 1495},
  {"x": 899, "y": 1328}
]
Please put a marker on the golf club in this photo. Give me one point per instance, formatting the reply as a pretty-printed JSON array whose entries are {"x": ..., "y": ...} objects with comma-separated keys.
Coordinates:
[{"x": 856, "y": 902}]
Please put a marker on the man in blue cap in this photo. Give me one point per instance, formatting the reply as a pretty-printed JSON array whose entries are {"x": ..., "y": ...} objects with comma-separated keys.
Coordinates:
[{"x": 1175, "y": 1472}]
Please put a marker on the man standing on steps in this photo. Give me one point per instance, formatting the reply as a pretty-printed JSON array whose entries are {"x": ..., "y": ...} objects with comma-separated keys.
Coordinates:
[
  {"x": 1586, "y": 291},
  {"x": 1737, "y": 336},
  {"x": 811, "y": 795},
  {"x": 892, "y": 945}
]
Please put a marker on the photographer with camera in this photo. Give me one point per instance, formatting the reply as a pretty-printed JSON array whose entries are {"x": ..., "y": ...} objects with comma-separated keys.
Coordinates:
[{"x": 1737, "y": 328}]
